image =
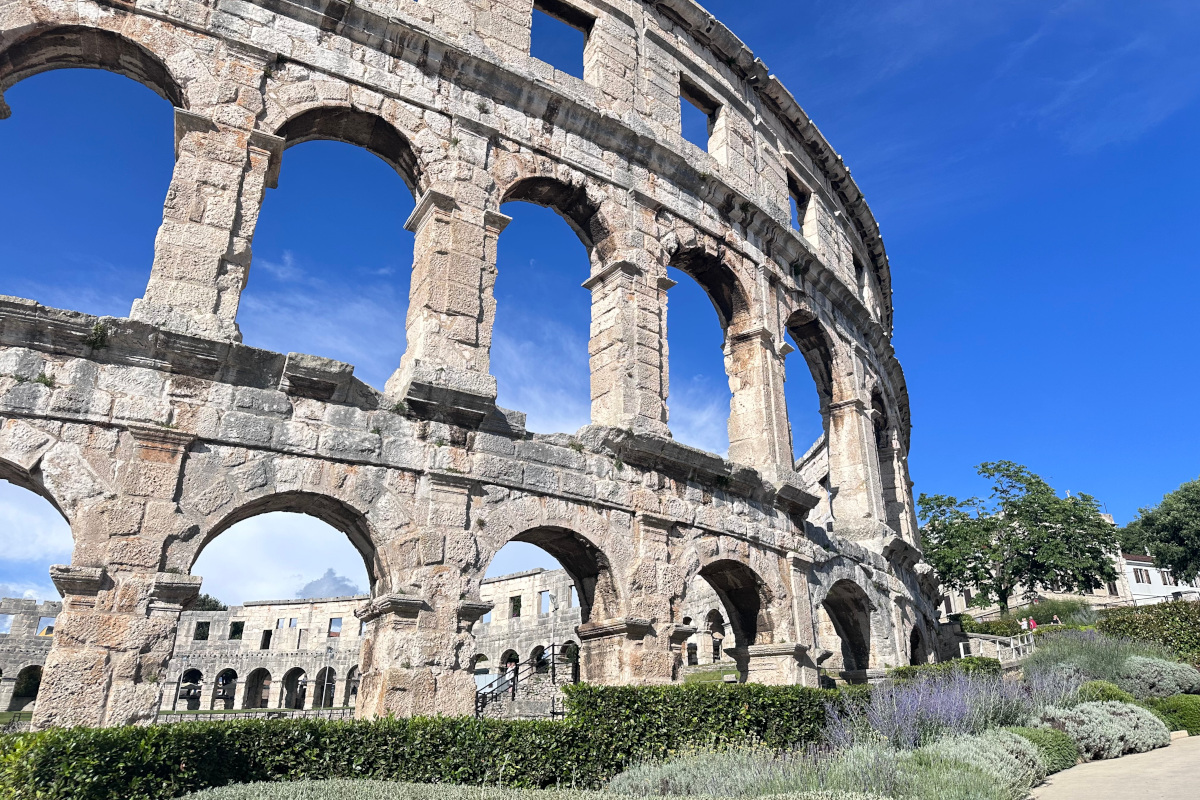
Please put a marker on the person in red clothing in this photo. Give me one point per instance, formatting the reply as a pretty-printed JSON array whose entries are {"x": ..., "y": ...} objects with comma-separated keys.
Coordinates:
[{"x": 1032, "y": 624}]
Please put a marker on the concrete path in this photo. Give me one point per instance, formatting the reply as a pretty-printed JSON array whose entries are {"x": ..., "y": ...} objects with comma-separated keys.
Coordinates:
[{"x": 1170, "y": 773}]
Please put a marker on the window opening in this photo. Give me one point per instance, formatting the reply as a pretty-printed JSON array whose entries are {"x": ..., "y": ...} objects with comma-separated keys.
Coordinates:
[
  {"x": 514, "y": 607},
  {"x": 201, "y": 632},
  {"x": 798, "y": 200},
  {"x": 1141, "y": 575},
  {"x": 236, "y": 629},
  {"x": 572, "y": 601},
  {"x": 543, "y": 603},
  {"x": 279, "y": 624},
  {"x": 698, "y": 390},
  {"x": 698, "y": 114},
  {"x": 559, "y": 35},
  {"x": 1112, "y": 588},
  {"x": 335, "y": 627},
  {"x": 45, "y": 626},
  {"x": 362, "y": 627},
  {"x": 265, "y": 642},
  {"x": 6, "y": 623},
  {"x": 293, "y": 622}
]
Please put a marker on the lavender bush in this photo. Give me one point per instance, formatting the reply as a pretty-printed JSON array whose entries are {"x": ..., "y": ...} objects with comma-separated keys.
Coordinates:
[{"x": 910, "y": 714}]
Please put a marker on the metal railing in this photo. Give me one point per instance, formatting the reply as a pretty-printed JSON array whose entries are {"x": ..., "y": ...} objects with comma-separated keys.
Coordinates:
[
  {"x": 168, "y": 717},
  {"x": 560, "y": 663},
  {"x": 1002, "y": 648}
]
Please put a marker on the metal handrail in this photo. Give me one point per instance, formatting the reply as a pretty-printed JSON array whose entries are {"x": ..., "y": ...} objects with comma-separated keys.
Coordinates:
[{"x": 508, "y": 680}]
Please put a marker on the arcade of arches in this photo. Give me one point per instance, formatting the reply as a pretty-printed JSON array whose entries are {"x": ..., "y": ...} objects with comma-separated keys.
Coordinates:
[{"x": 155, "y": 433}]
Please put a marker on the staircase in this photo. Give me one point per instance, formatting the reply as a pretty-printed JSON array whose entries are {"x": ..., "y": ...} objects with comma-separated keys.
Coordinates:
[{"x": 531, "y": 689}]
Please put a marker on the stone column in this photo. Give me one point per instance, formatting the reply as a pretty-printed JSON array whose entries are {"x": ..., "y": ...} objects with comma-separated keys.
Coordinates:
[
  {"x": 628, "y": 348},
  {"x": 704, "y": 647},
  {"x": 759, "y": 435},
  {"x": 854, "y": 482},
  {"x": 8, "y": 684},
  {"x": 611, "y": 651},
  {"x": 451, "y": 307},
  {"x": 112, "y": 643},
  {"x": 202, "y": 250},
  {"x": 772, "y": 664},
  {"x": 897, "y": 488}
]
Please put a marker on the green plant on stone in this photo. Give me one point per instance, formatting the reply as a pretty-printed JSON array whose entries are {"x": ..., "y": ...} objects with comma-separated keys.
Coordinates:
[
  {"x": 98, "y": 338},
  {"x": 1058, "y": 750},
  {"x": 44, "y": 380},
  {"x": 1107, "y": 730}
]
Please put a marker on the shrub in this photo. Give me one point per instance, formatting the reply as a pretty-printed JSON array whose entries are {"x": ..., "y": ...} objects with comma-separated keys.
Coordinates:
[
  {"x": 637, "y": 722},
  {"x": 1103, "y": 691},
  {"x": 1058, "y": 750},
  {"x": 1174, "y": 625},
  {"x": 968, "y": 665},
  {"x": 909, "y": 714},
  {"x": 1092, "y": 655},
  {"x": 379, "y": 790},
  {"x": 1070, "y": 612},
  {"x": 1005, "y": 626},
  {"x": 1181, "y": 712},
  {"x": 870, "y": 770},
  {"x": 1107, "y": 730},
  {"x": 1014, "y": 761},
  {"x": 1156, "y": 677}
]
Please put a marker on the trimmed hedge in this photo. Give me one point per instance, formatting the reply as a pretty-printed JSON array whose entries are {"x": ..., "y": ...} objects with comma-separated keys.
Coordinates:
[
  {"x": 1058, "y": 750},
  {"x": 607, "y": 728},
  {"x": 1004, "y": 626},
  {"x": 967, "y": 666},
  {"x": 1175, "y": 625},
  {"x": 1181, "y": 712}
]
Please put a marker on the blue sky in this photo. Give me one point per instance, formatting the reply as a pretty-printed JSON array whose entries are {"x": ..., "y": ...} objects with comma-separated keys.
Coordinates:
[{"x": 1031, "y": 165}]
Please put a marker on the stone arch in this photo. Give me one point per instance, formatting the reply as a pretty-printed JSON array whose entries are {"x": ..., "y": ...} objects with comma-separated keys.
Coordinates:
[
  {"x": 325, "y": 688},
  {"x": 30, "y": 480},
  {"x": 509, "y": 656},
  {"x": 572, "y": 201},
  {"x": 77, "y": 46},
  {"x": 746, "y": 597},
  {"x": 816, "y": 346},
  {"x": 353, "y": 679},
  {"x": 337, "y": 513},
  {"x": 58, "y": 472},
  {"x": 224, "y": 688},
  {"x": 844, "y": 627},
  {"x": 363, "y": 129},
  {"x": 918, "y": 650},
  {"x": 295, "y": 689},
  {"x": 25, "y": 689},
  {"x": 720, "y": 282},
  {"x": 258, "y": 689}
]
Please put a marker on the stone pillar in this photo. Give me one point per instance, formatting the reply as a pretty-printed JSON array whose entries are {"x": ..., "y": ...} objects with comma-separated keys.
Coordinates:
[
  {"x": 759, "y": 435},
  {"x": 202, "y": 250},
  {"x": 7, "y": 686},
  {"x": 112, "y": 644},
  {"x": 855, "y": 486},
  {"x": 451, "y": 307},
  {"x": 628, "y": 348},
  {"x": 772, "y": 664},
  {"x": 611, "y": 651},
  {"x": 704, "y": 647},
  {"x": 897, "y": 488}
]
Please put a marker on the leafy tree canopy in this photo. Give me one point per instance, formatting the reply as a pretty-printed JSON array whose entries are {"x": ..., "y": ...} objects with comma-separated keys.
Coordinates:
[
  {"x": 206, "y": 602},
  {"x": 1170, "y": 531},
  {"x": 1023, "y": 535}
]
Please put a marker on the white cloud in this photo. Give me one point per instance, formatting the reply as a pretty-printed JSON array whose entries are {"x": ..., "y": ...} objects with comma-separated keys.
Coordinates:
[
  {"x": 275, "y": 556},
  {"x": 329, "y": 585},
  {"x": 544, "y": 374},
  {"x": 699, "y": 413},
  {"x": 29, "y": 591},
  {"x": 31, "y": 529}
]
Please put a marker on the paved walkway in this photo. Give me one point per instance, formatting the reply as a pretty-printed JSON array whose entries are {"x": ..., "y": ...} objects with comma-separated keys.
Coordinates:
[{"x": 1170, "y": 773}]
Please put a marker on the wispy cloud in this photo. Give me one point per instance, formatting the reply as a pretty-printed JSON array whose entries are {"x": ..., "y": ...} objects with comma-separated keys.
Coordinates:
[
  {"x": 33, "y": 531},
  {"x": 541, "y": 368},
  {"x": 329, "y": 585}
]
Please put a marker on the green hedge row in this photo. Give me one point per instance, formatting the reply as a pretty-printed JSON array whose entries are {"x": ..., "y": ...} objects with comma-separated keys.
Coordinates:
[
  {"x": 968, "y": 665},
  {"x": 1175, "y": 625},
  {"x": 606, "y": 729}
]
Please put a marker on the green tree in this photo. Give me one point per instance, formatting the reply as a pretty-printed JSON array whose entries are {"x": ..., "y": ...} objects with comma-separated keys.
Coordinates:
[
  {"x": 1171, "y": 531},
  {"x": 1023, "y": 535},
  {"x": 206, "y": 602}
]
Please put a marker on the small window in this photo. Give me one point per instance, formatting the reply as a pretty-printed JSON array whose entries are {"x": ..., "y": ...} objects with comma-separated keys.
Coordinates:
[
  {"x": 45, "y": 626},
  {"x": 335, "y": 627},
  {"x": 201, "y": 632},
  {"x": 6, "y": 623},
  {"x": 967, "y": 596},
  {"x": 543, "y": 603},
  {"x": 265, "y": 642},
  {"x": 1167, "y": 578},
  {"x": 514, "y": 607},
  {"x": 279, "y": 624},
  {"x": 697, "y": 114},
  {"x": 948, "y": 605},
  {"x": 362, "y": 627},
  {"x": 293, "y": 622},
  {"x": 236, "y": 629},
  {"x": 1112, "y": 588},
  {"x": 1141, "y": 575},
  {"x": 486, "y": 618},
  {"x": 798, "y": 199},
  {"x": 559, "y": 35},
  {"x": 572, "y": 601}
]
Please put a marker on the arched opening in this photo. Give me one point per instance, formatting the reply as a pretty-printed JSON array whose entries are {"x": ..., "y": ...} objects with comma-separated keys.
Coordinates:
[
  {"x": 510, "y": 658},
  {"x": 701, "y": 606},
  {"x": 844, "y": 628},
  {"x": 715, "y": 625},
  {"x": 258, "y": 689},
  {"x": 295, "y": 689},
  {"x": 723, "y": 590},
  {"x": 745, "y": 598},
  {"x": 45, "y": 536},
  {"x": 917, "y": 652},
  {"x": 542, "y": 322},
  {"x": 353, "y": 678},
  {"x": 809, "y": 386},
  {"x": 225, "y": 690},
  {"x": 701, "y": 355},
  {"x": 191, "y": 689},
  {"x": 890, "y": 475},
  {"x": 330, "y": 248},
  {"x": 90, "y": 143},
  {"x": 325, "y": 688},
  {"x": 25, "y": 689}
]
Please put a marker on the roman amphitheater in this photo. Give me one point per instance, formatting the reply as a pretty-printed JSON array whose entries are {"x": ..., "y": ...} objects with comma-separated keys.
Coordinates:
[{"x": 153, "y": 434}]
